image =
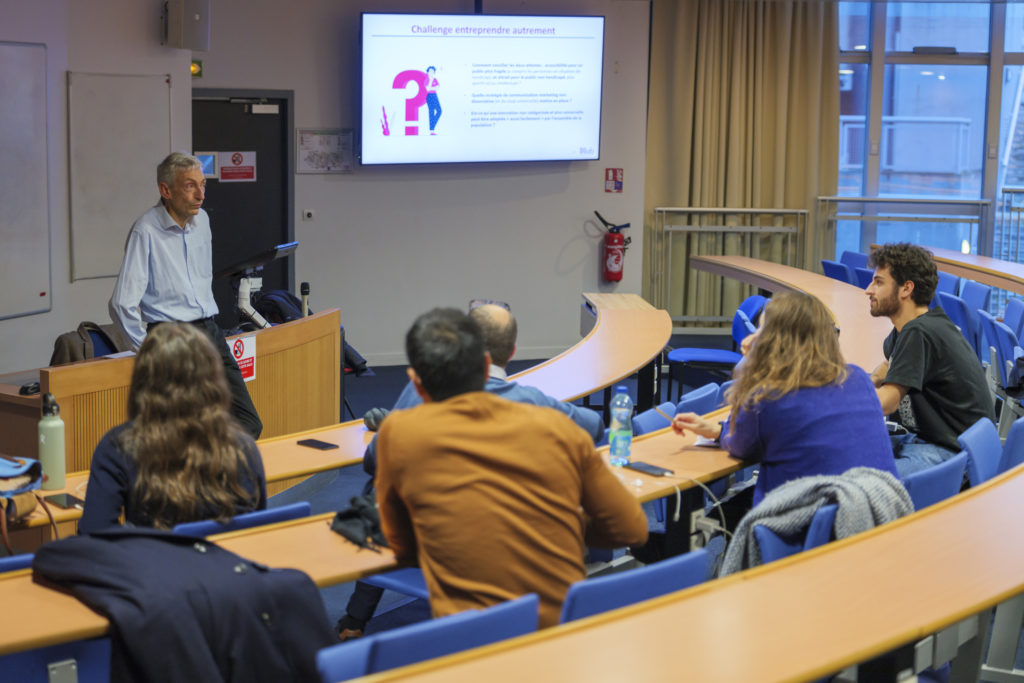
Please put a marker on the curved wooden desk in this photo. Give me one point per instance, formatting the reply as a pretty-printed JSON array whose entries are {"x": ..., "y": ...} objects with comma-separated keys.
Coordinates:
[
  {"x": 297, "y": 386},
  {"x": 795, "y": 620},
  {"x": 990, "y": 271},
  {"x": 860, "y": 335},
  {"x": 628, "y": 334}
]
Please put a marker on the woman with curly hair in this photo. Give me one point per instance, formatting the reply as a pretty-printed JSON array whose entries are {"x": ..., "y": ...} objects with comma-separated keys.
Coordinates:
[
  {"x": 180, "y": 457},
  {"x": 796, "y": 406}
]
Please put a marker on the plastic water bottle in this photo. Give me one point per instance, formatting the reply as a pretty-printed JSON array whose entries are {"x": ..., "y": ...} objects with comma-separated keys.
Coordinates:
[
  {"x": 51, "y": 444},
  {"x": 620, "y": 435}
]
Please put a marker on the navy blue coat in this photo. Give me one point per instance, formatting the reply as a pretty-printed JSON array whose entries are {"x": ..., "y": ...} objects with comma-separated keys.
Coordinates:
[{"x": 184, "y": 609}]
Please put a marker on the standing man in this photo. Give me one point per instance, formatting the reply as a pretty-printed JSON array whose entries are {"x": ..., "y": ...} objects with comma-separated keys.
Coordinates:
[
  {"x": 931, "y": 374},
  {"x": 167, "y": 272},
  {"x": 492, "y": 499}
]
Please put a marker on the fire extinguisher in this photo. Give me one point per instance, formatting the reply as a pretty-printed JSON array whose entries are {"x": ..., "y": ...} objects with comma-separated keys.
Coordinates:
[{"x": 613, "y": 249}]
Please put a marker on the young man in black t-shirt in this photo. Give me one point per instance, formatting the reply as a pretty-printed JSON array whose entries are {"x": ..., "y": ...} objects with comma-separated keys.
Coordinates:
[{"x": 931, "y": 376}]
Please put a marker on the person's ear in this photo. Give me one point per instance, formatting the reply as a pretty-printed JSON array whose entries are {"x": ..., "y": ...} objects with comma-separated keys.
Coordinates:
[
  {"x": 907, "y": 290},
  {"x": 165, "y": 191},
  {"x": 418, "y": 385},
  {"x": 487, "y": 365}
]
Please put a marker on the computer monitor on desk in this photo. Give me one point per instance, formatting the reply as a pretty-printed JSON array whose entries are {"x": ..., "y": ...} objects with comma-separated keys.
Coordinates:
[{"x": 249, "y": 273}]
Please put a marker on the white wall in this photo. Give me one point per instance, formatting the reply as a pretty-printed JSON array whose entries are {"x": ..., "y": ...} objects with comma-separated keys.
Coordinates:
[{"x": 387, "y": 242}]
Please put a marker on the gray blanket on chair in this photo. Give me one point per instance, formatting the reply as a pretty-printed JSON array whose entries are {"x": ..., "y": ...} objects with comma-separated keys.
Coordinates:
[{"x": 865, "y": 498}]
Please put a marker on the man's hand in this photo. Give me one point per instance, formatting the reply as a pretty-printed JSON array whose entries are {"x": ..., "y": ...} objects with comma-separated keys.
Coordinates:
[
  {"x": 693, "y": 422},
  {"x": 879, "y": 373}
]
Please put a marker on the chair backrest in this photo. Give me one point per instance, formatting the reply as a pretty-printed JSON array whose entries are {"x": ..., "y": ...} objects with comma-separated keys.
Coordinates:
[
  {"x": 975, "y": 294},
  {"x": 721, "y": 392},
  {"x": 1013, "y": 447},
  {"x": 984, "y": 450},
  {"x": 864, "y": 276},
  {"x": 838, "y": 271},
  {"x": 100, "y": 345},
  {"x": 600, "y": 594},
  {"x": 9, "y": 564},
  {"x": 819, "y": 532},
  {"x": 744, "y": 323},
  {"x": 956, "y": 309},
  {"x": 701, "y": 400},
  {"x": 936, "y": 483},
  {"x": 1002, "y": 338},
  {"x": 245, "y": 520},
  {"x": 428, "y": 639},
  {"x": 948, "y": 283},
  {"x": 854, "y": 259},
  {"x": 1013, "y": 315},
  {"x": 651, "y": 421}
]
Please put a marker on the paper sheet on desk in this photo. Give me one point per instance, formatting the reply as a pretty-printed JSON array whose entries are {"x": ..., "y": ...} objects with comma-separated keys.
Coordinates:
[{"x": 705, "y": 441}]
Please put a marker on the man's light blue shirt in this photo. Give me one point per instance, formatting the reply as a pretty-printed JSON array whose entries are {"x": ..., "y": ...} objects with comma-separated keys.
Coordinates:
[{"x": 166, "y": 273}]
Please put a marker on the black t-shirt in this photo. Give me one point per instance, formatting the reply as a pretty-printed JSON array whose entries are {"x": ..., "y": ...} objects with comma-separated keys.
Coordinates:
[{"x": 946, "y": 384}]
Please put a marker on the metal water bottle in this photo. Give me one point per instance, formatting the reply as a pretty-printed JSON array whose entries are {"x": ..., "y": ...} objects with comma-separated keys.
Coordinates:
[{"x": 51, "y": 444}]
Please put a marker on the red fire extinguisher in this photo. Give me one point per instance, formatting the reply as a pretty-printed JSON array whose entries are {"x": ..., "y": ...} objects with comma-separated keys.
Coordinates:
[{"x": 613, "y": 250}]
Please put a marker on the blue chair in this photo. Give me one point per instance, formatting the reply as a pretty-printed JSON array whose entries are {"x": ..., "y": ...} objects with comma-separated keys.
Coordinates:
[
  {"x": 1013, "y": 315},
  {"x": 100, "y": 347},
  {"x": 976, "y": 296},
  {"x": 91, "y": 662},
  {"x": 651, "y": 420},
  {"x": 245, "y": 520},
  {"x": 407, "y": 581},
  {"x": 1000, "y": 337},
  {"x": 1013, "y": 447},
  {"x": 721, "y": 360},
  {"x": 701, "y": 400},
  {"x": 984, "y": 450},
  {"x": 15, "y": 562},
  {"x": 819, "y": 532},
  {"x": 936, "y": 483},
  {"x": 838, "y": 271},
  {"x": 426, "y": 640},
  {"x": 956, "y": 309},
  {"x": 854, "y": 259},
  {"x": 600, "y": 594},
  {"x": 948, "y": 283},
  {"x": 864, "y": 276},
  {"x": 722, "y": 388}
]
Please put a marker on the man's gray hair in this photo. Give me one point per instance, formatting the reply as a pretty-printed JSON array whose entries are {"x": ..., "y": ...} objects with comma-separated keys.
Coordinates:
[{"x": 173, "y": 164}]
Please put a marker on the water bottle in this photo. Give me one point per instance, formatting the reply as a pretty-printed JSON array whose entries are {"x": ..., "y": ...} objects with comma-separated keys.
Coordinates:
[
  {"x": 51, "y": 444},
  {"x": 620, "y": 435}
]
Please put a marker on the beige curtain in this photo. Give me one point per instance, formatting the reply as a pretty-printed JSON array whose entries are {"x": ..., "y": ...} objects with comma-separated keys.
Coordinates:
[{"x": 743, "y": 113}]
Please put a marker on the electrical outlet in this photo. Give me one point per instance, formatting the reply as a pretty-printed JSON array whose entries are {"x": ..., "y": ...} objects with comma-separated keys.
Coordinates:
[{"x": 307, "y": 214}]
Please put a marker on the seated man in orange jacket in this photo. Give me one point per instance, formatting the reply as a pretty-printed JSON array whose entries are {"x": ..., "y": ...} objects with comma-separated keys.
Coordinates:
[{"x": 492, "y": 499}]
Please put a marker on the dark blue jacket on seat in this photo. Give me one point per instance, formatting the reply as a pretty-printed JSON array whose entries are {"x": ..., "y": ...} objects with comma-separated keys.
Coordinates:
[{"x": 184, "y": 609}]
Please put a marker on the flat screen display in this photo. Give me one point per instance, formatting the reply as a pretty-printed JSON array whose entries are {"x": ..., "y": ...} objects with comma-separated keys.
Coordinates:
[{"x": 443, "y": 88}]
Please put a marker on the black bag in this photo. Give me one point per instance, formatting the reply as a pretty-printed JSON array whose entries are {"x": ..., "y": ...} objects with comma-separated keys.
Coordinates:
[{"x": 360, "y": 524}]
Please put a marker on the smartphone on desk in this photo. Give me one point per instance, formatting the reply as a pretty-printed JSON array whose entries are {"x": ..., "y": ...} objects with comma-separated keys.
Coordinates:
[
  {"x": 648, "y": 468},
  {"x": 317, "y": 444},
  {"x": 65, "y": 501}
]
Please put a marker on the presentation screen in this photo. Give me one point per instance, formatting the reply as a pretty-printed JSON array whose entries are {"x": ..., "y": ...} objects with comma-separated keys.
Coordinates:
[{"x": 444, "y": 88}]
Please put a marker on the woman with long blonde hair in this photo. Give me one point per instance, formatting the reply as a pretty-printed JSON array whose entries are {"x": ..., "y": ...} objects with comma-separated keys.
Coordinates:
[
  {"x": 181, "y": 456},
  {"x": 795, "y": 405}
]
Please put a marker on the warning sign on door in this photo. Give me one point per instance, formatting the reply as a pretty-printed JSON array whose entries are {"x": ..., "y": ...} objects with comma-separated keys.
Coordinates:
[{"x": 237, "y": 167}]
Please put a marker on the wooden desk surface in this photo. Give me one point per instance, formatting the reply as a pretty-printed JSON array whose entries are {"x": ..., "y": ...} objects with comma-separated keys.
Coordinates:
[
  {"x": 309, "y": 545},
  {"x": 797, "y": 619},
  {"x": 629, "y": 333},
  {"x": 990, "y": 271},
  {"x": 860, "y": 335}
]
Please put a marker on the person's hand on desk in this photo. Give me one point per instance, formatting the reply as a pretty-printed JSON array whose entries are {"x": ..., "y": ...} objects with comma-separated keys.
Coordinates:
[
  {"x": 692, "y": 422},
  {"x": 879, "y": 373}
]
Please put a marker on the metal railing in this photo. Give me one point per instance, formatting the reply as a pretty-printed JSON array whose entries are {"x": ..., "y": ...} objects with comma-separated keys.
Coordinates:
[{"x": 693, "y": 297}]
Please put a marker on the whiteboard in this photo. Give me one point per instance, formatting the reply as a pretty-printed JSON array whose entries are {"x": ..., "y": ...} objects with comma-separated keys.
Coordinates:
[
  {"x": 119, "y": 130},
  {"x": 25, "y": 218}
]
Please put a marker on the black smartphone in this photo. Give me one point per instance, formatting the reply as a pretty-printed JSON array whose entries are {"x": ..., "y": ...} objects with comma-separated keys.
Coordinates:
[
  {"x": 317, "y": 444},
  {"x": 648, "y": 468},
  {"x": 65, "y": 501}
]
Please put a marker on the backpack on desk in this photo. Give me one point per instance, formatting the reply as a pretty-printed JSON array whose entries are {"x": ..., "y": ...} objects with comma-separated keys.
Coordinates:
[{"x": 20, "y": 478}]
